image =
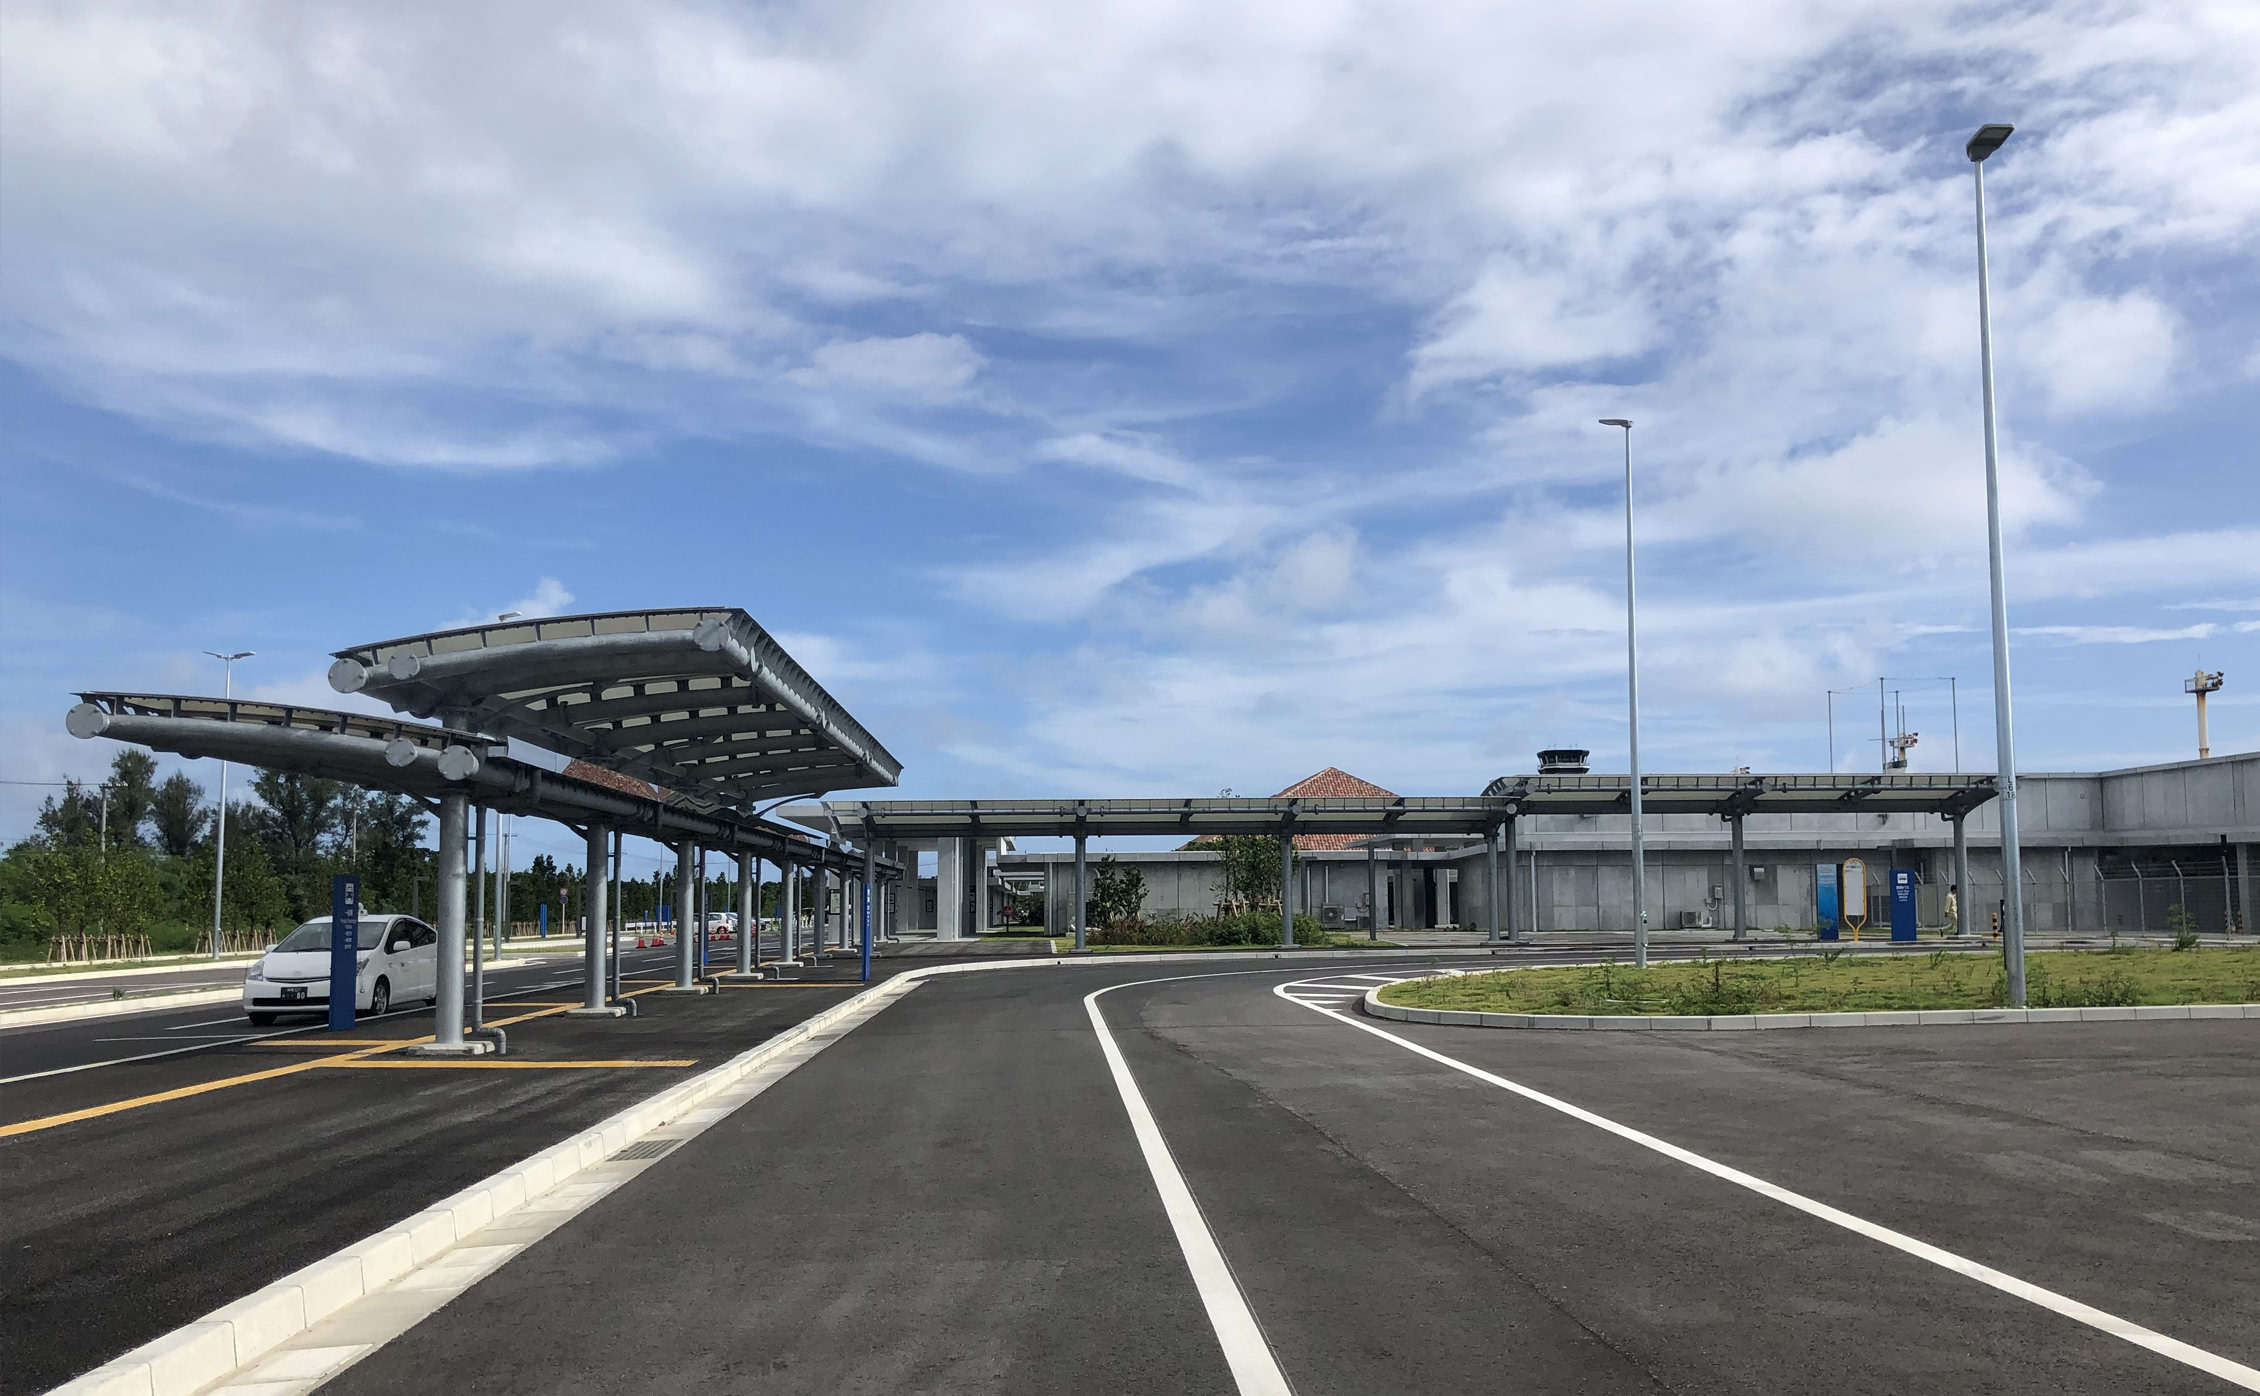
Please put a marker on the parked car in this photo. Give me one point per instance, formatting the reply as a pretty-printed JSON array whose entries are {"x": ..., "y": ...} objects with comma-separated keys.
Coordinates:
[{"x": 398, "y": 958}]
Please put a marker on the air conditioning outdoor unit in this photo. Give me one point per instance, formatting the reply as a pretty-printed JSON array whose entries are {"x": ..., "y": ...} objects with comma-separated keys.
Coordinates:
[
  {"x": 1694, "y": 920},
  {"x": 1330, "y": 915}
]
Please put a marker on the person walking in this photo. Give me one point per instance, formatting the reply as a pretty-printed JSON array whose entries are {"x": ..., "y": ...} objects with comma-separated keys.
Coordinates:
[{"x": 1953, "y": 908}]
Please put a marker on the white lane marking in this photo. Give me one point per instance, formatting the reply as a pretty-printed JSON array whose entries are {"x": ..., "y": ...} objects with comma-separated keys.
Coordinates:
[
  {"x": 2209, "y": 1363},
  {"x": 214, "y": 1036},
  {"x": 144, "y": 1057},
  {"x": 207, "y": 1023},
  {"x": 1255, "y": 1370}
]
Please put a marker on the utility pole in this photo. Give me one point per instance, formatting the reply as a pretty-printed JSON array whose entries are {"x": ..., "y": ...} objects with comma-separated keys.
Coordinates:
[{"x": 220, "y": 822}]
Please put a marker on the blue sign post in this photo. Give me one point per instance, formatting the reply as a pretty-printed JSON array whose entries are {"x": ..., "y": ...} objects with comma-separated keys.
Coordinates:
[
  {"x": 1824, "y": 899},
  {"x": 345, "y": 948},
  {"x": 1902, "y": 904}
]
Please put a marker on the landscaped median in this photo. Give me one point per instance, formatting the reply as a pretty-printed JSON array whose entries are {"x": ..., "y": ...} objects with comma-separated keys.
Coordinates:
[{"x": 1839, "y": 990}]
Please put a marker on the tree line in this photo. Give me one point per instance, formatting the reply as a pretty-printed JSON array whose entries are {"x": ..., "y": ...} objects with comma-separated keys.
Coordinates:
[{"x": 130, "y": 854}]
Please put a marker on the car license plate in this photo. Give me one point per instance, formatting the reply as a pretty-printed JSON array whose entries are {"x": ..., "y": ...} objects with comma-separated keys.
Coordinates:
[{"x": 294, "y": 993}]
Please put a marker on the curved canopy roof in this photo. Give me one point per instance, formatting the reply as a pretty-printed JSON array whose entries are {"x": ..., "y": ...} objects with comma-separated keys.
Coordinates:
[
  {"x": 428, "y": 762},
  {"x": 700, "y": 701}
]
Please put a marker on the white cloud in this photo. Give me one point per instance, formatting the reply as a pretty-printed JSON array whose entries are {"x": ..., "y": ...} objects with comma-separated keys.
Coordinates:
[
  {"x": 923, "y": 367},
  {"x": 2115, "y": 634},
  {"x": 548, "y": 598}
]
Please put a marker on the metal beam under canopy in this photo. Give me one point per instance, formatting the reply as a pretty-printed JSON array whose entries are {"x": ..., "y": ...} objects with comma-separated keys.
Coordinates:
[
  {"x": 428, "y": 762},
  {"x": 701, "y": 701},
  {"x": 1405, "y": 817}
]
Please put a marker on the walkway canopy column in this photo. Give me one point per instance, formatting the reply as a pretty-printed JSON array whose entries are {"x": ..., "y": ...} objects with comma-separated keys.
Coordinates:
[
  {"x": 749, "y": 909},
  {"x": 1287, "y": 886},
  {"x": 686, "y": 889},
  {"x": 599, "y": 907},
  {"x": 1961, "y": 874},
  {"x": 1373, "y": 891},
  {"x": 1508, "y": 890},
  {"x": 788, "y": 912},
  {"x": 454, "y": 891},
  {"x": 1491, "y": 885},
  {"x": 1741, "y": 880},
  {"x": 1082, "y": 885}
]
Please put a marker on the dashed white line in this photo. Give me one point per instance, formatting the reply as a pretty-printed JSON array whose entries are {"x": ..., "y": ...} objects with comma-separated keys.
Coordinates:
[{"x": 2210, "y": 1363}]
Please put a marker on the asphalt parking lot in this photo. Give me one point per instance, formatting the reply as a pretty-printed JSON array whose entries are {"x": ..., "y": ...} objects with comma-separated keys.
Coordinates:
[{"x": 953, "y": 1197}]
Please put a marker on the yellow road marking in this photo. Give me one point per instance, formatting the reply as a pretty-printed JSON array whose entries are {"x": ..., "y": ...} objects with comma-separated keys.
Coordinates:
[
  {"x": 93, "y": 1112},
  {"x": 476, "y": 1065},
  {"x": 324, "y": 1043}
]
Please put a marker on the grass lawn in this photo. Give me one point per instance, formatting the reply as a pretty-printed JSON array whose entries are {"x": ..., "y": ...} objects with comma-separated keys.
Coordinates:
[{"x": 1852, "y": 983}]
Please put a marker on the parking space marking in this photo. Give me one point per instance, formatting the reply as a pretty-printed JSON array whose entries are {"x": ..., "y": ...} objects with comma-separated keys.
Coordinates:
[
  {"x": 2212, "y": 1364},
  {"x": 373, "y": 1065}
]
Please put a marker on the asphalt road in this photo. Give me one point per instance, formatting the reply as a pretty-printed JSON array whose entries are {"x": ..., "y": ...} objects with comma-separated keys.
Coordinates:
[
  {"x": 122, "y": 1227},
  {"x": 952, "y": 1199}
]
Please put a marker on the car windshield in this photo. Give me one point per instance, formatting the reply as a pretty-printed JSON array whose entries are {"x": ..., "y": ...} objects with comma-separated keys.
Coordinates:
[{"x": 315, "y": 935}]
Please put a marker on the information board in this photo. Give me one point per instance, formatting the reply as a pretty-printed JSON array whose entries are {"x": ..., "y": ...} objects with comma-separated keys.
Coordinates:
[
  {"x": 1902, "y": 904},
  {"x": 345, "y": 947},
  {"x": 1824, "y": 899}
]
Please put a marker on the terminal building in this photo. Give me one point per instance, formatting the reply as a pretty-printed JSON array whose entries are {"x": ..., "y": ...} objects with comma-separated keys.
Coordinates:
[{"x": 2136, "y": 851}]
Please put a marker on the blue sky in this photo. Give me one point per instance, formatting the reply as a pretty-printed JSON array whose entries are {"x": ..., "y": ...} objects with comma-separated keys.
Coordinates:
[{"x": 1148, "y": 398}]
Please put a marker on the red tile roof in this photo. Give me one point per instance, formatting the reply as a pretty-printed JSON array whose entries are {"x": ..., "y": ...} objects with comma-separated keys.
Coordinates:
[{"x": 1331, "y": 783}]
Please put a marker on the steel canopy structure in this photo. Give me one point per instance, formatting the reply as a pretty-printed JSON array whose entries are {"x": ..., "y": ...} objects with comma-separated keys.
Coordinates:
[
  {"x": 1407, "y": 816},
  {"x": 700, "y": 701},
  {"x": 429, "y": 763}
]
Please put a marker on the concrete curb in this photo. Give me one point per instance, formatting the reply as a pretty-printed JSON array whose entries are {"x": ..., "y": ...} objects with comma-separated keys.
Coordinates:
[
  {"x": 199, "y": 1355},
  {"x": 103, "y": 1008},
  {"x": 1930, "y": 1018},
  {"x": 175, "y": 965}
]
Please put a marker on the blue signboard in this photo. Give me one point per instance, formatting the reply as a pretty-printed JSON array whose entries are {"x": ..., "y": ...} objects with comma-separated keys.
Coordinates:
[
  {"x": 345, "y": 946},
  {"x": 1902, "y": 904},
  {"x": 1824, "y": 899}
]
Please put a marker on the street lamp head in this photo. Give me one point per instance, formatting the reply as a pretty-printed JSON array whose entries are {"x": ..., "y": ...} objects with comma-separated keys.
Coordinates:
[
  {"x": 1625, "y": 422},
  {"x": 1989, "y": 138},
  {"x": 230, "y": 658}
]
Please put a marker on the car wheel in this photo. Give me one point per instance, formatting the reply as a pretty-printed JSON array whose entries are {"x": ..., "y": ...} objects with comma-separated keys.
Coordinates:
[
  {"x": 261, "y": 1020},
  {"x": 380, "y": 999}
]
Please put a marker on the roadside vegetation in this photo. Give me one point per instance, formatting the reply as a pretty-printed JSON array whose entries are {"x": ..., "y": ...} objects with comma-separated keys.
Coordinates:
[
  {"x": 1837, "y": 982},
  {"x": 1249, "y": 915}
]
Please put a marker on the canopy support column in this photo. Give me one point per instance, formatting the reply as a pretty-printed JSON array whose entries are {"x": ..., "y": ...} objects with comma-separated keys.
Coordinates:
[
  {"x": 749, "y": 910},
  {"x": 1961, "y": 874},
  {"x": 1741, "y": 880},
  {"x": 594, "y": 926},
  {"x": 788, "y": 909},
  {"x": 1508, "y": 891},
  {"x": 1082, "y": 890},
  {"x": 1287, "y": 889},
  {"x": 686, "y": 917},
  {"x": 1373, "y": 891},
  {"x": 454, "y": 892},
  {"x": 1491, "y": 885}
]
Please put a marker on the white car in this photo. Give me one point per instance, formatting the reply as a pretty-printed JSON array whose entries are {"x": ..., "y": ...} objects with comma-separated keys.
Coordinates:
[{"x": 398, "y": 958}]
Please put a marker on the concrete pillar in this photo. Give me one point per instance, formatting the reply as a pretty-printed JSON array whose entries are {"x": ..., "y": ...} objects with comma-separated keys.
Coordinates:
[
  {"x": 977, "y": 851},
  {"x": 1491, "y": 885},
  {"x": 1961, "y": 875},
  {"x": 686, "y": 922},
  {"x": 1287, "y": 889},
  {"x": 1741, "y": 881},
  {"x": 1082, "y": 904},
  {"x": 949, "y": 889},
  {"x": 820, "y": 888},
  {"x": 1372, "y": 891},
  {"x": 592, "y": 946},
  {"x": 447, "y": 993},
  {"x": 749, "y": 910}
]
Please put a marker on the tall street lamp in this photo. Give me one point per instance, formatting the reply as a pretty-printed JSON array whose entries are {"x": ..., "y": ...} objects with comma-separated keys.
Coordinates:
[
  {"x": 1632, "y": 703},
  {"x": 220, "y": 822},
  {"x": 1988, "y": 139}
]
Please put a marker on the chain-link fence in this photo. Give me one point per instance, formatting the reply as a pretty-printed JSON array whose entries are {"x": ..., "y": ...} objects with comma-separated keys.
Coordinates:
[{"x": 2128, "y": 900}]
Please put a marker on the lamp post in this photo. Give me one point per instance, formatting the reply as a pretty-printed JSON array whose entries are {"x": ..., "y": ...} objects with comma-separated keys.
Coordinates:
[
  {"x": 1632, "y": 705},
  {"x": 220, "y": 823},
  {"x": 1988, "y": 139}
]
